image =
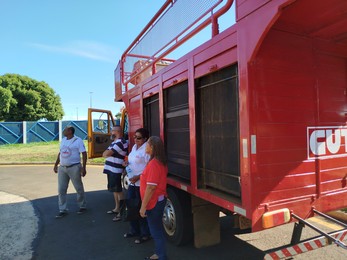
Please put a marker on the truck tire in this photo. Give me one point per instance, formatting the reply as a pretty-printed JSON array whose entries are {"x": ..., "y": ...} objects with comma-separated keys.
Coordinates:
[
  {"x": 178, "y": 218},
  {"x": 125, "y": 182}
]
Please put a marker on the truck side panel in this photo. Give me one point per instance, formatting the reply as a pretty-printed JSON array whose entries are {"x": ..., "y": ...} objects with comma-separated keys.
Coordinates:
[
  {"x": 217, "y": 132},
  {"x": 299, "y": 85},
  {"x": 285, "y": 105},
  {"x": 177, "y": 130},
  {"x": 135, "y": 115}
]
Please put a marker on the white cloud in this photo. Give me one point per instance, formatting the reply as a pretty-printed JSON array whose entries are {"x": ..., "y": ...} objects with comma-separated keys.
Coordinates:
[{"x": 86, "y": 49}]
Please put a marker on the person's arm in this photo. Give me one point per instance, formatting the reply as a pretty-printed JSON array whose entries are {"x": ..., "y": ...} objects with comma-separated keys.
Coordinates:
[
  {"x": 107, "y": 153},
  {"x": 84, "y": 164},
  {"x": 55, "y": 169},
  {"x": 146, "y": 198},
  {"x": 134, "y": 179}
]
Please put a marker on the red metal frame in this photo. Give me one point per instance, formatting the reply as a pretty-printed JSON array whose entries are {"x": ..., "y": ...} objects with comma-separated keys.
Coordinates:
[
  {"x": 127, "y": 77},
  {"x": 272, "y": 53}
]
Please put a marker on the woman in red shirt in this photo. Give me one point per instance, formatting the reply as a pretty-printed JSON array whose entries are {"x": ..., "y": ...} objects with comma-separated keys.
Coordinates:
[{"x": 153, "y": 194}]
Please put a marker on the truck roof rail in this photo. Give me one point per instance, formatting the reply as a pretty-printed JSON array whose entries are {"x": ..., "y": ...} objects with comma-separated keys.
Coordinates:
[{"x": 176, "y": 22}]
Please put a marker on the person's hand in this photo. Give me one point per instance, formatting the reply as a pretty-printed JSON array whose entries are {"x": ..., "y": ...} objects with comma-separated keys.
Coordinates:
[
  {"x": 142, "y": 211},
  {"x": 125, "y": 164},
  {"x": 55, "y": 168},
  {"x": 83, "y": 171},
  {"x": 134, "y": 179}
]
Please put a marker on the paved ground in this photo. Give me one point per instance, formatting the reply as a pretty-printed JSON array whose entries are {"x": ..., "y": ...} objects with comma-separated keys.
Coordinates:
[
  {"x": 18, "y": 225},
  {"x": 28, "y": 229},
  {"x": 89, "y": 236}
]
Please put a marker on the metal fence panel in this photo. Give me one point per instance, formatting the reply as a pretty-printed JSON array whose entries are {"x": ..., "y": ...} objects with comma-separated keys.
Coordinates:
[
  {"x": 80, "y": 128},
  {"x": 42, "y": 131},
  {"x": 45, "y": 131},
  {"x": 11, "y": 132}
]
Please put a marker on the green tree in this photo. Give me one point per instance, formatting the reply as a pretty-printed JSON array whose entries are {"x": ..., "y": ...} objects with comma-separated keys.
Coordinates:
[
  {"x": 26, "y": 99},
  {"x": 6, "y": 100},
  {"x": 118, "y": 115}
]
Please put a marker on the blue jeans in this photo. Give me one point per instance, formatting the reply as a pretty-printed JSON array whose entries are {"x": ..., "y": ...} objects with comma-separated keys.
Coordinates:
[
  {"x": 138, "y": 227},
  {"x": 155, "y": 223}
]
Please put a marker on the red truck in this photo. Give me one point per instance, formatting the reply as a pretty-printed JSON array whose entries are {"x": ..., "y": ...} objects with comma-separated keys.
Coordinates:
[{"x": 253, "y": 120}]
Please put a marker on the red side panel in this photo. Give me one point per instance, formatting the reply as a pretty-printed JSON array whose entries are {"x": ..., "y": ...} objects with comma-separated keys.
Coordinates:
[
  {"x": 245, "y": 7},
  {"x": 134, "y": 113},
  {"x": 285, "y": 105},
  {"x": 299, "y": 77}
]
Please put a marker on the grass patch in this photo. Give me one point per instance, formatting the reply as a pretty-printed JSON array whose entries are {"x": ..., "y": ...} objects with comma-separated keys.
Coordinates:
[{"x": 40, "y": 152}]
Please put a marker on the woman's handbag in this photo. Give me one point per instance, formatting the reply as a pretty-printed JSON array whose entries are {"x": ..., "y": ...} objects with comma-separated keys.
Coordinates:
[{"x": 131, "y": 209}]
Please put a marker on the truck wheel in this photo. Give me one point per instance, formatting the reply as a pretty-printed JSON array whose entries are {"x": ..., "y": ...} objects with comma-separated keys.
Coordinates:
[
  {"x": 125, "y": 182},
  {"x": 178, "y": 219}
]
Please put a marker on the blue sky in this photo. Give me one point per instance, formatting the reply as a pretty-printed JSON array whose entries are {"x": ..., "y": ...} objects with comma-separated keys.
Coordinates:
[{"x": 75, "y": 45}]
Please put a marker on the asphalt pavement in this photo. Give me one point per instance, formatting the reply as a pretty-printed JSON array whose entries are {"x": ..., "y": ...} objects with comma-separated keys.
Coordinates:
[
  {"x": 92, "y": 235},
  {"x": 29, "y": 229},
  {"x": 16, "y": 235}
]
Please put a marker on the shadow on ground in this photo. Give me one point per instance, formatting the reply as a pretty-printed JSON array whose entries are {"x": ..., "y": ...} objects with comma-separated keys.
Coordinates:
[{"x": 93, "y": 235}]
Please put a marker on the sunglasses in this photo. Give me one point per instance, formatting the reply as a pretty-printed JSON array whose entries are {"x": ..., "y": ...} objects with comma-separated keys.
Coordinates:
[{"x": 138, "y": 137}]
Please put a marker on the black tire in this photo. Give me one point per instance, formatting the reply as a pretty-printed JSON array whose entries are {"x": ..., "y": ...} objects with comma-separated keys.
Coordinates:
[{"x": 178, "y": 218}]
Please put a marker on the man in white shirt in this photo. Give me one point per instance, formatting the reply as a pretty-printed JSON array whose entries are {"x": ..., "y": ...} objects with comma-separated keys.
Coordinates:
[{"x": 70, "y": 168}]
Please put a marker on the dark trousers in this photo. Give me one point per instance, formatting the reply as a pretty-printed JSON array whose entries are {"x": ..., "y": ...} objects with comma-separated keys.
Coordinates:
[
  {"x": 138, "y": 227},
  {"x": 155, "y": 223}
]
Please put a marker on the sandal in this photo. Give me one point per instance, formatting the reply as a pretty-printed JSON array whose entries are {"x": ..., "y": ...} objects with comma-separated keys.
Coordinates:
[
  {"x": 127, "y": 235},
  {"x": 113, "y": 211},
  {"x": 117, "y": 218},
  {"x": 152, "y": 257},
  {"x": 142, "y": 240}
]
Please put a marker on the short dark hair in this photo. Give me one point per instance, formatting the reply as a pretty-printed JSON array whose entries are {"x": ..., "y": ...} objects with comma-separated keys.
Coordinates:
[
  {"x": 144, "y": 133},
  {"x": 71, "y": 128}
]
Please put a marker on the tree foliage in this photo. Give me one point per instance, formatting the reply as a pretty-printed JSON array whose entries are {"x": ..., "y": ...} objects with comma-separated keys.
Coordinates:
[{"x": 26, "y": 99}]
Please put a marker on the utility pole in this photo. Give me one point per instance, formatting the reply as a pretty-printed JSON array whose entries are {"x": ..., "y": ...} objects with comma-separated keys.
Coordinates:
[{"x": 91, "y": 103}]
